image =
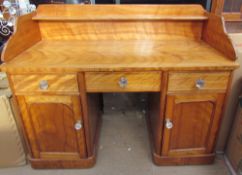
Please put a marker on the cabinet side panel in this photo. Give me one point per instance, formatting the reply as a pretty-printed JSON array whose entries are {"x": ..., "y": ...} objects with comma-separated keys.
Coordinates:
[
  {"x": 25, "y": 35},
  {"x": 218, "y": 114},
  {"x": 94, "y": 115},
  {"x": 28, "y": 128},
  {"x": 91, "y": 115},
  {"x": 214, "y": 33},
  {"x": 155, "y": 121},
  {"x": 157, "y": 103}
]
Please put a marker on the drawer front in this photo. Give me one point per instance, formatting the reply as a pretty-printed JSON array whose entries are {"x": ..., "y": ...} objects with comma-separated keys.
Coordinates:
[
  {"x": 123, "y": 82},
  {"x": 45, "y": 84},
  {"x": 217, "y": 81}
]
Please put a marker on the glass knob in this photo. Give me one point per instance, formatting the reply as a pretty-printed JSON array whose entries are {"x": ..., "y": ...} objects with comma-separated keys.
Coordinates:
[
  {"x": 43, "y": 85},
  {"x": 169, "y": 124},
  {"x": 78, "y": 125},
  {"x": 123, "y": 82},
  {"x": 200, "y": 83}
]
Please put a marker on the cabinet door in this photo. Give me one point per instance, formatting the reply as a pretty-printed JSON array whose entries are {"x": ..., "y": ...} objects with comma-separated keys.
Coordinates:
[
  {"x": 53, "y": 125},
  {"x": 191, "y": 124}
]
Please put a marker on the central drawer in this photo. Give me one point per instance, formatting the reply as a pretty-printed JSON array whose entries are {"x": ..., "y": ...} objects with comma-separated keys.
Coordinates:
[{"x": 123, "y": 81}]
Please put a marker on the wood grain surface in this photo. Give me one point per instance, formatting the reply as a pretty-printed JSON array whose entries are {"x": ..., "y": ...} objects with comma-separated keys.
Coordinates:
[
  {"x": 136, "y": 82},
  {"x": 185, "y": 160},
  {"x": 26, "y": 34},
  {"x": 214, "y": 33},
  {"x": 82, "y": 49},
  {"x": 63, "y": 164},
  {"x": 155, "y": 117},
  {"x": 134, "y": 55},
  {"x": 49, "y": 122},
  {"x": 120, "y": 12},
  {"x": 195, "y": 119},
  {"x": 217, "y": 6},
  {"x": 91, "y": 114},
  {"x": 120, "y": 30},
  {"x": 58, "y": 84},
  {"x": 181, "y": 82},
  {"x": 163, "y": 44}
]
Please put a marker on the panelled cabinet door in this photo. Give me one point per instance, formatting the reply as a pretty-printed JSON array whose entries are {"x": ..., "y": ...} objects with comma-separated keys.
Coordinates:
[
  {"x": 53, "y": 125},
  {"x": 191, "y": 124}
]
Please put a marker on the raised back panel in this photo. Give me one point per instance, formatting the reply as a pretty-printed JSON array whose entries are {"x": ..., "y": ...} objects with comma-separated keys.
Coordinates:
[
  {"x": 120, "y": 30},
  {"x": 120, "y": 12},
  {"x": 121, "y": 22}
]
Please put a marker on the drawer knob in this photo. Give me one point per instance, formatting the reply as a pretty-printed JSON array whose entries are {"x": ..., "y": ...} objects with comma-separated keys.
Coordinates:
[
  {"x": 200, "y": 83},
  {"x": 78, "y": 125},
  {"x": 123, "y": 82},
  {"x": 43, "y": 84},
  {"x": 169, "y": 124}
]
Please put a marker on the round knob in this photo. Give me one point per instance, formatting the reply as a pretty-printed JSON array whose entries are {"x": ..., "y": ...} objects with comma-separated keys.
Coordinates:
[
  {"x": 123, "y": 82},
  {"x": 43, "y": 84},
  {"x": 200, "y": 83},
  {"x": 169, "y": 124},
  {"x": 78, "y": 125}
]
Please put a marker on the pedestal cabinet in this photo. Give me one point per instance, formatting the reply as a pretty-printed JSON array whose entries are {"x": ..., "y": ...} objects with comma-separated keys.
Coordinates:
[
  {"x": 191, "y": 123},
  {"x": 54, "y": 126}
]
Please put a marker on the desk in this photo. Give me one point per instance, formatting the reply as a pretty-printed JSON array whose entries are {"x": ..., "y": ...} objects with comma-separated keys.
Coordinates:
[{"x": 63, "y": 56}]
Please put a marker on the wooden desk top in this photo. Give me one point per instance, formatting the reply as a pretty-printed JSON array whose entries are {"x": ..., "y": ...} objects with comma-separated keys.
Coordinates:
[
  {"x": 73, "y": 38},
  {"x": 54, "y": 56}
]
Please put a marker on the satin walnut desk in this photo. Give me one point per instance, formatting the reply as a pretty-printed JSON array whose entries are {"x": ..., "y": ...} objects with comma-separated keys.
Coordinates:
[{"x": 61, "y": 58}]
